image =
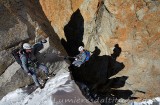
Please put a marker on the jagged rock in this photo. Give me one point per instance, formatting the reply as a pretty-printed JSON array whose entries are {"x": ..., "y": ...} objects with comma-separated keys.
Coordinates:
[
  {"x": 24, "y": 21},
  {"x": 5, "y": 60},
  {"x": 134, "y": 25},
  {"x": 13, "y": 78},
  {"x": 12, "y": 30}
]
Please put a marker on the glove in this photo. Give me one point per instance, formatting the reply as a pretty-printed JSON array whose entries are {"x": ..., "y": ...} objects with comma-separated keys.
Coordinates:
[
  {"x": 29, "y": 73},
  {"x": 44, "y": 41}
]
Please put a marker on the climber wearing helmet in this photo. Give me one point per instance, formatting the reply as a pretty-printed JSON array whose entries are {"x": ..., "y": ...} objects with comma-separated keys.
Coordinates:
[
  {"x": 81, "y": 57},
  {"x": 29, "y": 61}
]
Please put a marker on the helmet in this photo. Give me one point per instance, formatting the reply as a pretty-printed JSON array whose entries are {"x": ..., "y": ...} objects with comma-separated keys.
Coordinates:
[
  {"x": 26, "y": 46},
  {"x": 80, "y": 48}
]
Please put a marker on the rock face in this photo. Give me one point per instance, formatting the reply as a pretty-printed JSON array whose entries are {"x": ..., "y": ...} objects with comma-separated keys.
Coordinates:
[
  {"x": 24, "y": 21},
  {"x": 132, "y": 24}
]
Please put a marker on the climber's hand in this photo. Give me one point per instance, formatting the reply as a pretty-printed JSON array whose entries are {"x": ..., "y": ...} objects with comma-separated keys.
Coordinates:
[
  {"x": 44, "y": 41},
  {"x": 76, "y": 58},
  {"x": 29, "y": 73}
]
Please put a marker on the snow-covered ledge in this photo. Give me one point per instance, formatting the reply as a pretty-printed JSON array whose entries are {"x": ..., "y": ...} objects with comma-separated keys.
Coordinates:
[{"x": 59, "y": 90}]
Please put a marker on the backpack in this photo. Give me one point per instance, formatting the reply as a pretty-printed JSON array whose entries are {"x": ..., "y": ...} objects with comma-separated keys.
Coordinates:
[
  {"x": 87, "y": 55},
  {"x": 16, "y": 55}
]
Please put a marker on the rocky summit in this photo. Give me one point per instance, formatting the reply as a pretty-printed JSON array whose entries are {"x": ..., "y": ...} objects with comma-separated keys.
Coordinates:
[{"x": 123, "y": 37}]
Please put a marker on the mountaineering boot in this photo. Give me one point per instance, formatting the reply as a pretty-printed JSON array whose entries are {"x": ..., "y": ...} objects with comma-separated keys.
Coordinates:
[
  {"x": 44, "y": 41},
  {"x": 41, "y": 87},
  {"x": 48, "y": 76}
]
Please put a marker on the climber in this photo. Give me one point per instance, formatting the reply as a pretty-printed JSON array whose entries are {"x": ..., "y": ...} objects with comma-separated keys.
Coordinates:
[
  {"x": 82, "y": 57},
  {"x": 30, "y": 63}
]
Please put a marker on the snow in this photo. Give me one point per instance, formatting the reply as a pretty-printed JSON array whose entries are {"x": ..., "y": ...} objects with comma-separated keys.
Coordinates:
[
  {"x": 14, "y": 97},
  {"x": 148, "y": 102},
  {"x": 59, "y": 90},
  {"x": 157, "y": 99}
]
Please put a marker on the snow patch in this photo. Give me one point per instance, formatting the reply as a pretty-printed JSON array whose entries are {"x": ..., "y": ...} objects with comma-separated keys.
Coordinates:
[
  {"x": 155, "y": 101},
  {"x": 59, "y": 90}
]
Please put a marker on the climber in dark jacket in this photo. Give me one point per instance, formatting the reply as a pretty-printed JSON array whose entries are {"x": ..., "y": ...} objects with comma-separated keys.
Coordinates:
[
  {"x": 29, "y": 62},
  {"x": 80, "y": 58}
]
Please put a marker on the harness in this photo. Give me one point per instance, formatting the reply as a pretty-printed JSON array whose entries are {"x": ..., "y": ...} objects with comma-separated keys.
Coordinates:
[{"x": 30, "y": 62}]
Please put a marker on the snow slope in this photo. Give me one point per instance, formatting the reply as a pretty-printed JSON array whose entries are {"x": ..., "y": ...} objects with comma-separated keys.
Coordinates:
[
  {"x": 155, "y": 101},
  {"x": 59, "y": 90}
]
